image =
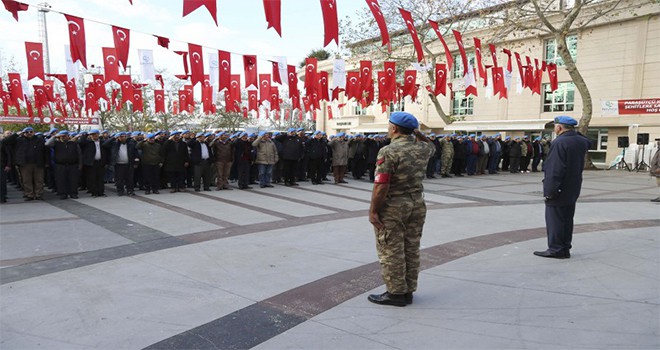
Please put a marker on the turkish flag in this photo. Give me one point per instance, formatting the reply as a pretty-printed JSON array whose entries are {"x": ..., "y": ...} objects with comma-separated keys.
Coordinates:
[
  {"x": 273, "y": 10},
  {"x": 183, "y": 100},
  {"x": 114, "y": 99},
  {"x": 40, "y": 98},
  {"x": 329, "y": 112},
  {"x": 461, "y": 49},
  {"x": 122, "y": 39},
  {"x": 184, "y": 55},
  {"x": 77, "y": 39},
  {"x": 335, "y": 93},
  {"x": 110, "y": 64},
  {"x": 470, "y": 81},
  {"x": 374, "y": 6},
  {"x": 71, "y": 91},
  {"x": 207, "y": 98},
  {"x": 448, "y": 56},
  {"x": 323, "y": 87},
  {"x": 498, "y": 82},
  {"x": 306, "y": 103},
  {"x": 493, "y": 54},
  {"x": 276, "y": 73},
  {"x": 163, "y": 41},
  {"x": 366, "y": 77},
  {"x": 126, "y": 88},
  {"x": 252, "y": 100},
  {"x": 390, "y": 76},
  {"x": 383, "y": 89},
  {"x": 409, "y": 80},
  {"x": 159, "y": 78},
  {"x": 552, "y": 73},
  {"x": 59, "y": 103},
  {"x": 14, "y": 7},
  {"x": 235, "y": 88},
  {"x": 520, "y": 68},
  {"x": 190, "y": 94},
  {"x": 293, "y": 81},
  {"x": 224, "y": 71},
  {"x": 250, "y": 68},
  {"x": 192, "y": 5},
  {"x": 311, "y": 65},
  {"x": 410, "y": 24},
  {"x": 196, "y": 64},
  {"x": 295, "y": 103},
  {"x": 91, "y": 102},
  {"x": 49, "y": 86},
  {"x": 159, "y": 97},
  {"x": 287, "y": 114},
  {"x": 330, "y": 22},
  {"x": 35, "y": 60},
  {"x": 99, "y": 87},
  {"x": 353, "y": 85},
  {"x": 230, "y": 105},
  {"x": 15, "y": 87},
  {"x": 61, "y": 77},
  {"x": 480, "y": 64},
  {"x": 264, "y": 87},
  {"x": 274, "y": 98},
  {"x": 440, "y": 79},
  {"x": 138, "y": 102}
]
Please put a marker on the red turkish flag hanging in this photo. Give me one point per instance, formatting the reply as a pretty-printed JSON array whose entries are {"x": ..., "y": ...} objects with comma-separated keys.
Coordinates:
[
  {"x": 330, "y": 22},
  {"x": 91, "y": 102},
  {"x": 110, "y": 64},
  {"x": 61, "y": 77},
  {"x": 98, "y": 87},
  {"x": 138, "y": 102},
  {"x": 264, "y": 87},
  {"x": 192, "y": 5},
  {"x": 35, "y": 60},
  {"x": 14, "y": 7},
  {"x": 235, "y": 88},
  {"x": 461, "y": 49},
  {"x": 480, "y": 64},
  {"x": 40, "y": 98},
  {"x": 493, "y": 54},
  {"x": 552, "y": 73},
  {"x": 273, "y": 10},
  {"x": 353, "y": 85},
  {"x": 71, "y": 91},
  {"x": 520, "y": 68},
  {"x": 15, "y": 87},
  {"x": 374, "y": 6},
  {"x": 498, "y": 82},
  {"x": 49, "y": 87},
  {"x": 409, "y": 81},
  {"x": 276, "y": 73},
  {"x": 366, "y": 76},
  {"x": 293, "y": 81},
  {"x": 410, "y": 24},
  {"x": 77, "y": 39},
  {"x": 190, "y": 94},
  {"x": 448, "y": 56},
  {"x": 196, "y": 64},
  {"x": 295, "y": 103},
  {"x": 159, "y": 97},
  {"x": 250, "y": 68},
  {"x": 122, "y": 39},
  {"x": 126, "y": 88},
  {"x": 329, "y": 112},
  {"x": 383, "y": 90},
  {"x": 224, "y": 70},
  {"x": 252, "y": 100},
  {"x": 274, "y": 98},
  {"x": 323, "y": 87},
  {"x": 183, "y": 100},
  {"x": 184, "y": 55},
  {"x": 311, "y": 65},
  {"x": 390, "y": 77},
  {"x": 440, "y": 79},
  {"x": 207, "y": 98},
  {"x": 163, "y": 41}
]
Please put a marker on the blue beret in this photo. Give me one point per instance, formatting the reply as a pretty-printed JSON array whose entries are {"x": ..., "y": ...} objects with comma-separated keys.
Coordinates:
[
  {"x": 566, "y": 120},
  {"x": 175, "y": 133},
  {"x": 52, "y": 130},
  {"x": 453, "y": 135},
  {"x": 94, "y": 131},
  {"x": 208, "y": 134},
  {"x": 185, "y": 131},
  {"x": 432, "y": 134},
  {"x": 300, "y": 129},
  {"x": 29, "y": 128},
  {"x": 136, "y": 133},
  {"x": 72, "y": 134},
  {"x": 496, "y": 135},
  {"x": 341, "y": 134},
  {"x": 106, "y": 131},
  {"x": 63, "y": 132},
  {"x": 262, "y": 133},
  {"x": 316, "y": 132},
  {"x": 276, "y": 133},
  {"x": 472, "y": 135},
  {"x": 404, "y": 120},
  {"x": 517, "y": 138},
  {"x": 199, "y": 134},
  {"x": 151, "y": 135},
  {"x": 244, "y": 134},
  {"x": 291, "y": 130},
  {"x": 507, "y": 138},
  {"x": 39, "y": 134},
  {"x": 538, "y": 138},
  {"x": 323, "y": 133},
  {"x": 484, "y": 136},
  {"x": 252, "y": 135}
]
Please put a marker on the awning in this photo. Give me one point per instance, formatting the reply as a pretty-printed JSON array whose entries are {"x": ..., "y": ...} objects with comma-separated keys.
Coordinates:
[{"x": 499, "y": 125}]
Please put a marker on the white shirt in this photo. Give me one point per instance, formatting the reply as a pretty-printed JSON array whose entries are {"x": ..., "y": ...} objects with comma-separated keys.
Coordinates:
[
  {"x": 205, "y": 150},
  {"x": 97, "y": 155},
  {"x": 122, "y": 156}
]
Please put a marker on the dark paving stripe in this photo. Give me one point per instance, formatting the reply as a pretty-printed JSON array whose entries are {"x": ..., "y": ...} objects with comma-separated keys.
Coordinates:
[
  {"x": 37, "y": 221},
  {"x": 21, "y": 261},
  {"x": 191, "y": 213},
  {"x": 304, "y": 202},
  {"x": 73, "y": 261},
  {"x": 257, "y": 323},
  {"x": 363, "y": 200},
  {"x": 125, "y": 228},
  {"x": 246, "y": 206}
]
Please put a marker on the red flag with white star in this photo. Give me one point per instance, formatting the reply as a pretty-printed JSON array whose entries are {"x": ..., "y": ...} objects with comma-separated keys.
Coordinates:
[
  {"x": 224, "y": 70},
  {"x": 250, "y": 68},
  {"x": 409, "y": 81},
  {"x": 138, "y": 102},
  {"x": 461, "y": 49},
  {"x": 159, "y": 97},
  {"x": 330, "y": 22},
  {"x": 252, "y": 100},
  {"x": 110, "y": 65},
  {"x": 196, "y": 64},
  {"x": 440, "y": 79},
  {"x": 14, "y": 7},
  {"x": 410, "y": 24},
  {"x": 264, "y": 87},
  {"x": 192, "y": 5},
  {"x": 77, "y": 39},
  {"x": 122, "y": 39},
  {"x": 374, "y": 6},
  {"x": 448, "y": 56},
  {"x": 273, "y": 10},
  {"x": 293, "y": 81},
  {"x": 35, "y": 60}
]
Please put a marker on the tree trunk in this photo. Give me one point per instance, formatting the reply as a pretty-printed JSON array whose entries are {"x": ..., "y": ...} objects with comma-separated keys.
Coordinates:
[{"x": 581, "y": 86}]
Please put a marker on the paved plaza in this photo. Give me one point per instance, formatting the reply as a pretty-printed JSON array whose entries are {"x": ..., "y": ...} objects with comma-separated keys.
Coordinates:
[{"x": 291, "y": 267}]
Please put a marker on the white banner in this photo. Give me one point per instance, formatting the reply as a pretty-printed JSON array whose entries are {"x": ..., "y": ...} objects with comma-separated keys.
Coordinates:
[
  {"x": 339, "y": 74},
  {"x": 147, "y": 65},
  {"x": 71, "y": 67}
]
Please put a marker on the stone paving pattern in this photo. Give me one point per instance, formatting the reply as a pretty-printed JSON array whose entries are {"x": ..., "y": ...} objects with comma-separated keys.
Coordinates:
[{"x": 290, "y": 268}]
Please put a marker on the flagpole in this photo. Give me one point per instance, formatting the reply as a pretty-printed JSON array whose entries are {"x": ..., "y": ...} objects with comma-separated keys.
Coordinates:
[{"x": 44, "y": 8}]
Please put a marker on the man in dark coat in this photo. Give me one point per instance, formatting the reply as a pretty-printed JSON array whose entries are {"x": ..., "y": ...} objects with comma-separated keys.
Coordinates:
[
  {"x": 5, "y": 167},
  {"x": 201, "y": 158},
  {"x": 30, "y": 155},
  {"x": 94, "y": 159},
  {"x": 460, "y": 153},
  {"x": 243, "y": 160},
  {"x": 316, "y": 152},
  {"x": 515, "y": 154},
  {"x": 151, "y": 162},
  {"x": 292, "y": 153},
  {"x": 68, "y": 164},
  {"x": 561, "y": 186},
  {"x": 175, "y": 161},
  {"x": 124, "y": 157}
]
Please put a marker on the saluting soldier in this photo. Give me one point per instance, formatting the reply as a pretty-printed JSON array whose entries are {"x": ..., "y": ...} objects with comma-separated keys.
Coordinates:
[{"x": 398, "y": 210}]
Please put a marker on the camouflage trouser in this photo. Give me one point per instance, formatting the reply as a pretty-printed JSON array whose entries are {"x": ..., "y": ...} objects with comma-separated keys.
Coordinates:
[
  {"x": 447, "y": 160},
  {"x": 398, "y": 242}
]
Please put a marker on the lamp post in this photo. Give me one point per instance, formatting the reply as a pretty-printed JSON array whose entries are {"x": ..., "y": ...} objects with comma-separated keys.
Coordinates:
[{"x": 43, "y": 9}]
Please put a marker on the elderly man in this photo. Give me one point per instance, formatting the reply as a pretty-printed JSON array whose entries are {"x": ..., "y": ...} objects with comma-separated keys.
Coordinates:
[
  {"x": 561, "y": 186},
  {"x": 175, "y": 161},
  {"x": 292, "y": 153},
  {"x": 201, "y": 158},
  {"x": 152, "y": 161},
  {"x": 94, "y": 159},
  {"x": 315, "y": 150},
  {"x": 30, "y": 155},
  {"x": 266, "y": 158},
  {"x": 124, "y": 157},
  {"x": 339, "y": 147},
  {"x": 223, "y": 152},
  {"x": 68, "y": 164}
]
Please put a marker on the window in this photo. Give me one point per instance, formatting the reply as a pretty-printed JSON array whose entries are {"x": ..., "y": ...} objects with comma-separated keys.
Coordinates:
[
  {"x": 358, "y": 110},
  {"x": 598, "y": 147},
  {"x": 461, "y": 105},
  {"x": 551, "y": 53},
  {"x": 458, "y": 65},
  {"x": 398, "y": 106},
  {"x": 562, "y": 100}
]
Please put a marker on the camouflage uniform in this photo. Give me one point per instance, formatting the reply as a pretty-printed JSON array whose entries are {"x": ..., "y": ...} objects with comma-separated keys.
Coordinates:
[
  {"x": 447, "y": 156},
  {"x": 403, "y": 213}
]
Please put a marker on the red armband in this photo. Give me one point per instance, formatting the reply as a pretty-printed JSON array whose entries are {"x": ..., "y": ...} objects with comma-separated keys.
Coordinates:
[{"x": 382, "y": 178}]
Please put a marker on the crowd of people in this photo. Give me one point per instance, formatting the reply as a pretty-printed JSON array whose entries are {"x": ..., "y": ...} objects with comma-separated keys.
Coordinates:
[{"x": 69, "y": 162}]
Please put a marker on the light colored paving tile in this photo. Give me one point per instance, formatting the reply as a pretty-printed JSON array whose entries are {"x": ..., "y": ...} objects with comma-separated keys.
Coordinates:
[
  {"x": 494, "y": 195},
  {"x": 290, "y": 207},
  {"x": 327, "y": 200},
  {"x": 30, "y": 211}
]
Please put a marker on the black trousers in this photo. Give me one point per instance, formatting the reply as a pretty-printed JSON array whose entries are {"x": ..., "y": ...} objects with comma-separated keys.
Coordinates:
[
  {"x": 243, "y": 168},
  {"x": 289, "y": 169},
  {"x": 95, "y": 176},
  {"x": 458, "y": 166},
  {"x": 315, "y": 169},
  {"x": 514, "y": 164},
  {"x": 177, "y": 179},
  {"x": 151, "y": 177},
  {"x": 124, "y": 178},
  {"x": 359, "y": 167},
  {"x": 559, "y": 227},
  {"x": 202, "y": 172},
  {"x": 66, "y": 178},
  {"x": 3, "y": 183}
]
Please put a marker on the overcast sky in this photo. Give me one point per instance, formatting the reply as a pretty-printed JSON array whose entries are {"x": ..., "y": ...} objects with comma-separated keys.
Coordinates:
[{"x": 241, "y": 30}]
